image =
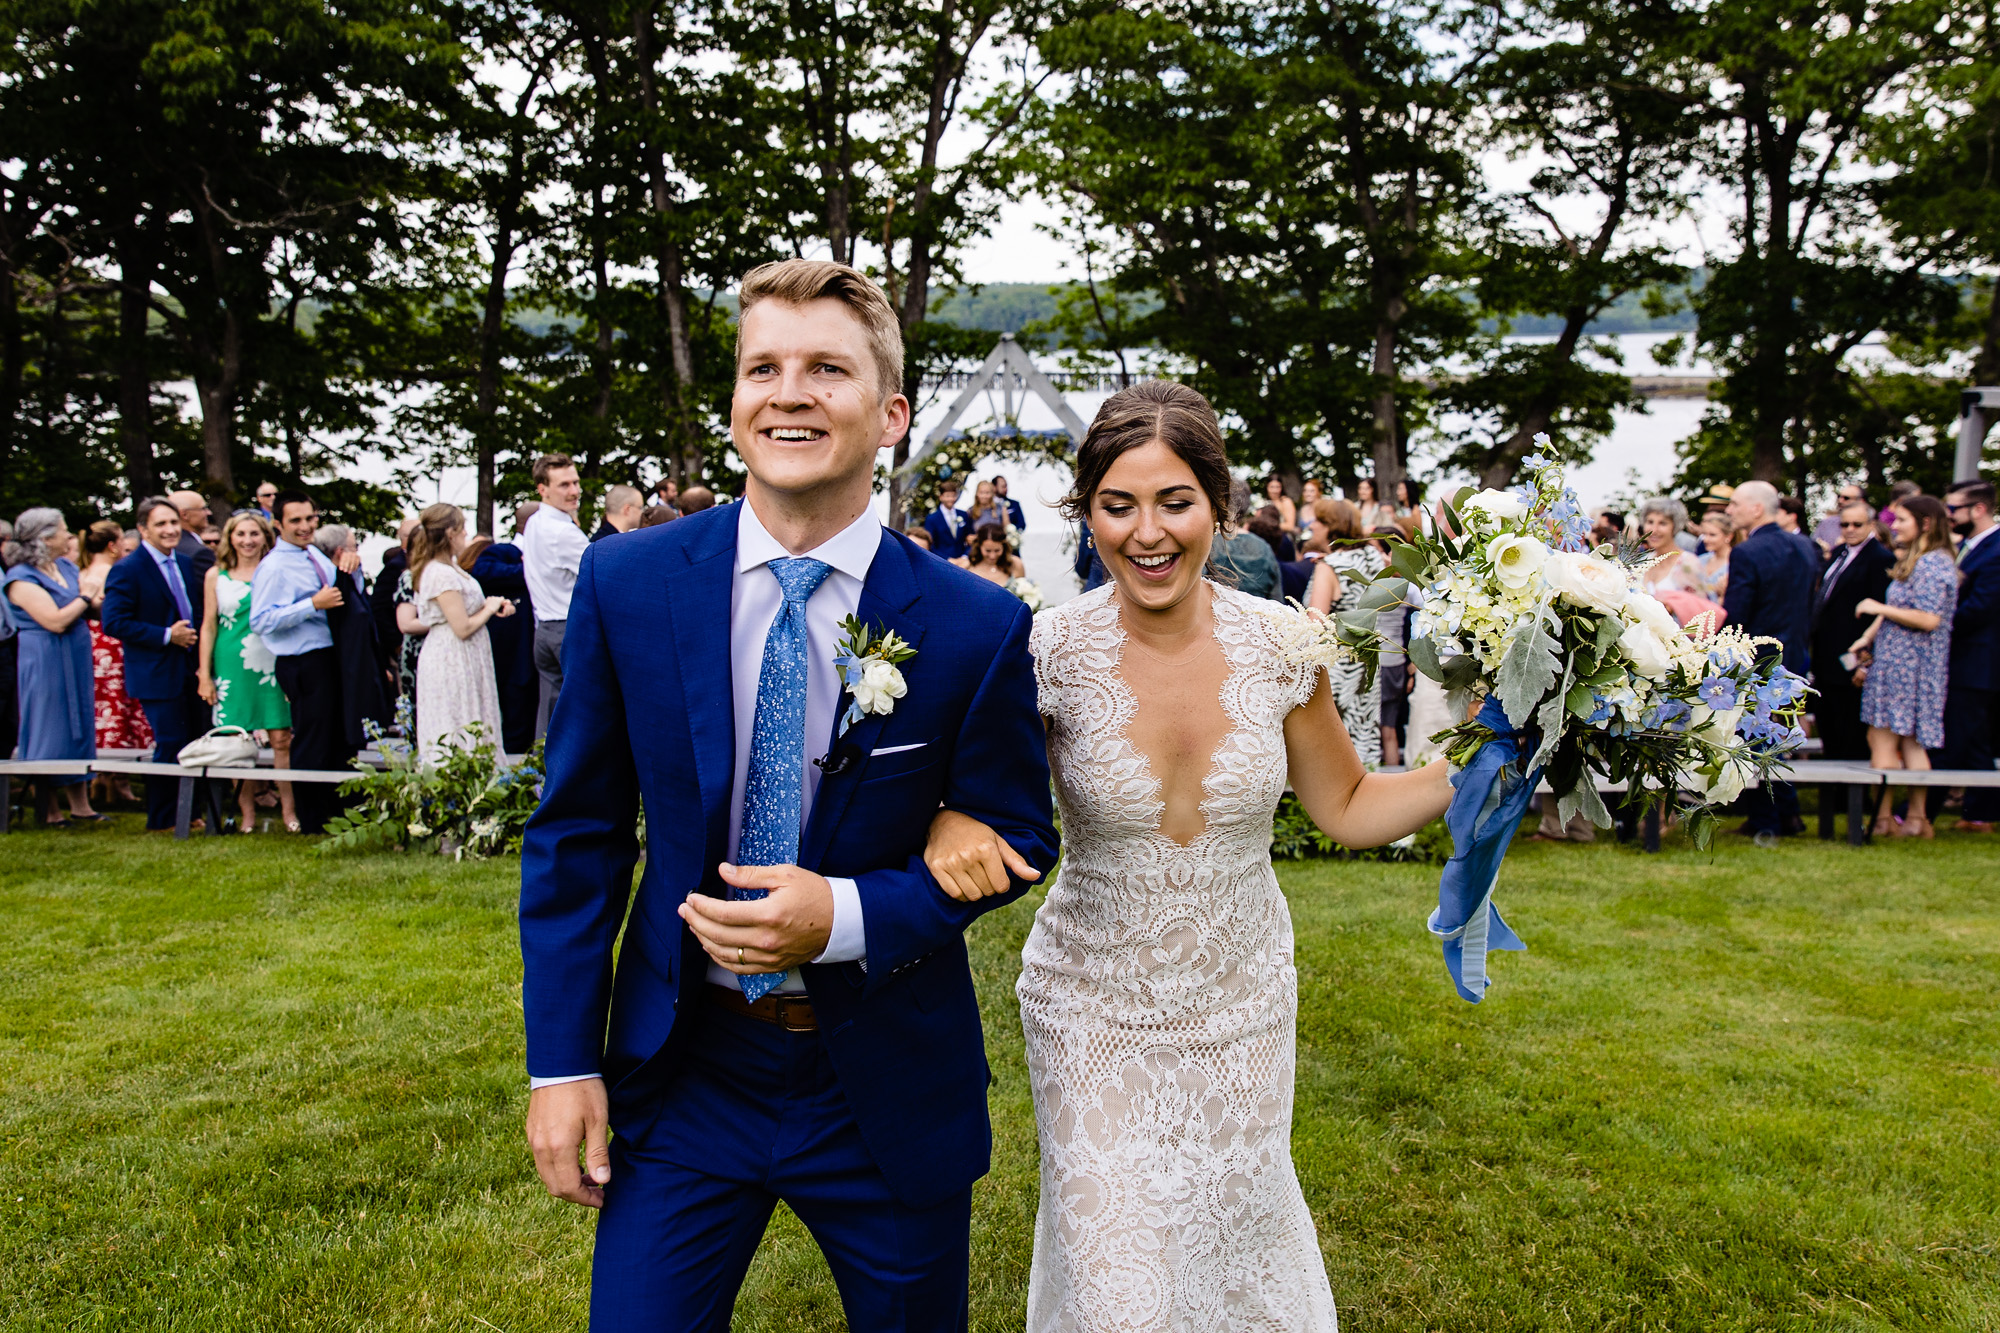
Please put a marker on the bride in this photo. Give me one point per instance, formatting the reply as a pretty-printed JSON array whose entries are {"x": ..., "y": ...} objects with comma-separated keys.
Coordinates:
[{"x": 1158, "y": 995}]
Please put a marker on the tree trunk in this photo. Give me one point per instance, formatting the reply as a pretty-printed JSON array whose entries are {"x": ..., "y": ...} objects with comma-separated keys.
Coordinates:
[
  {"x": 672, "y": 271},
  {"x": 492, "y": 325},
  {"x": 1382, "y": 407},
  {"x": 1986, "y": 366},
  {"x": 1540, "y": 409},
  {"x": 136, "y": 260},
  {"x": 13, "y": 359}
]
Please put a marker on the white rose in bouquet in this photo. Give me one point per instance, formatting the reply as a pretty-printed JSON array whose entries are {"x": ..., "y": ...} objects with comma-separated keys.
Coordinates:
[
  {"x": 1516, "y": 559},
  {"x": 1643, "y": 649},
  {"x": 1649, "y": 611},
  {"x": 1721, "y": 789},
  {"x": 879, "y": 688},
  {"x": 1500, "y": 506},
  {"x": 1588, "y": 581}
]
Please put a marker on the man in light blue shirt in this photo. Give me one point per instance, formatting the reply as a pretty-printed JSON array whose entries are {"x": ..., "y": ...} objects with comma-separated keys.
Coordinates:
[{"x": 294, "y": 588}]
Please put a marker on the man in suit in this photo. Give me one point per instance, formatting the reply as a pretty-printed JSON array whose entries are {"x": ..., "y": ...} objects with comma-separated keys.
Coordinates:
[
  {"x": 1771, "y": 581},
  {"x": 194, "y": 513},
  {"x": 153, "y": 604},
  {"x": 623, "y": 506},
  {"x": 1972, "y": 696},
  {"x": 819, "y": 1045},
  {"x": 948, "y": 525},
  {"x": 1013, "y": 507},
  {"x": 1857, "y": 571}
]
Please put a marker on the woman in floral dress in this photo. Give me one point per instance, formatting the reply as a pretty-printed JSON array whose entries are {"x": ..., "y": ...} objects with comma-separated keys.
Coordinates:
[
  {"x": 458, "y": 696},
  {"x": 1902, "y": 698},
  {"x": 238, "y": 672},
  {"x": 121, "y": 719},
  {"x": 1337, "y": 584}
]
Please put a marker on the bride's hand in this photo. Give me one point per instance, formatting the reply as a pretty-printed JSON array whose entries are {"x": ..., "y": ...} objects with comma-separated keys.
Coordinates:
[{"x": 970, "y": 860}]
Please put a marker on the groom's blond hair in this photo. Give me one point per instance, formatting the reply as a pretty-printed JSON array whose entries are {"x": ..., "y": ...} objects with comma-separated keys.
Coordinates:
[{"x": 798, "y": 281}]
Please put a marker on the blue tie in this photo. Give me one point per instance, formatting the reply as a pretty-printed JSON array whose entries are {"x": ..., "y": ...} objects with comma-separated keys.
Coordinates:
[
  {"x": 774, "y": 788},
  {"x": 172, "y": 568}
]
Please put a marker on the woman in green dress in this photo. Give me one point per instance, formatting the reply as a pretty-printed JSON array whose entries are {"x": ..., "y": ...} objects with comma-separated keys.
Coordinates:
[{"x": 238, "y": 671}]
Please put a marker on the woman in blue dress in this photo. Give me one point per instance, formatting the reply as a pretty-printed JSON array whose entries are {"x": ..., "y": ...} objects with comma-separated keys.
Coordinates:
[
  {"x": 47, "y": 606},
  {"x": 1909, "y": 650}
]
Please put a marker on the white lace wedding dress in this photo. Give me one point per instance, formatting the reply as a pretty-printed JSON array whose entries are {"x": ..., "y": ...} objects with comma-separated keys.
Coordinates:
[{"x": 1159, "y": 1002}]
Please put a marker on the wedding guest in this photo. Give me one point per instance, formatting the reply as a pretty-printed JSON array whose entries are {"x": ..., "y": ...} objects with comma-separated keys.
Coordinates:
[
  {"x": 623, "y": 506},
  {"x": 294, "y": 590},
  {"x": 1858, "y": 572},
  {"x": 1330, "y": 594},
  {"x": 46, "y": 605},
  {"x": 668, "y": 494},
  {"x": 1718, "y": 538},
  {"x": 552, "y": 550},
  {"x": 153, "y": 602},
  {"x": 498, "y": 568},
  {"x": 121, "y": 719},
  {"x": 1609, "y": 526},
  {"x": 1828, "y": 532},
  {"x": 1089, "y": 563},
  {"x": 365, "y": 684},
  {"x": 948, "y": 525},
  {"x": 1972, "y": 700},
  {"x": 1770, "y": 595},
  {"x": 194, "y": 512},
  {"x": 656, "y": 515},
  {"x": 237, "y": 674},
  {"x": 1909, "y": 655},
  {"x": 1898, "y": 491},
  {"x": 1393, "y": 680},
  {"x": 1367, "y": 508},
  {"x": 694, "y": 499},
  {"x": 1672, "y": 577},
  {"x": 1409, "y": 496},
  {"x": 1014, "y": 514},
  {"x": 986, "y": 508},
  {"x": 1791, "y": 514},
  {"x": 1237, "y": 558},
  {"x": 389, "y": 591},
  {"x": 1310, "y": 494},
  {"x": 1268, "y": 523},
  {"x": 989, "y": 556},
  {"x": 918, "y": 534},
  {"x": 1275, "y": 497},
  {"x": 458, "y": 697},
  {"x": 10, "y": 659},
  {"x": 267, "y": 491}
]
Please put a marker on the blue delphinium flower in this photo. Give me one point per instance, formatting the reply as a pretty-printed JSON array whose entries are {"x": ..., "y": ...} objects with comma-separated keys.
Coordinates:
[
  {"x": 1534, "y": 462},
  {"x": 1600, "y": 712},
  {"x": 1668, "y": 715},
  {"x": 1718, "y": 692}
]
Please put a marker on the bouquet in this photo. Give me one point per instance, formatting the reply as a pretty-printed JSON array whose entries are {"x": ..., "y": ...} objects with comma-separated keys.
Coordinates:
[{"x": 1584, "y": 675}]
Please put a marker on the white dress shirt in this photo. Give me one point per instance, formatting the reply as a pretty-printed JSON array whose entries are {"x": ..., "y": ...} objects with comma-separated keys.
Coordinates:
[
  {"x": 754, "y": 600},
  {"x": 552, "y": 548}
]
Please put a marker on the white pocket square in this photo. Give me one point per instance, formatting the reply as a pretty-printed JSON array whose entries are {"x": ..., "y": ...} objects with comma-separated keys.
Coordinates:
[{"x": 896, "y": 749}]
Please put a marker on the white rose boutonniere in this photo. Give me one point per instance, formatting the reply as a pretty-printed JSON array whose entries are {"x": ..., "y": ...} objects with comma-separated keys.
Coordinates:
[{"x": 868, "y": 670}]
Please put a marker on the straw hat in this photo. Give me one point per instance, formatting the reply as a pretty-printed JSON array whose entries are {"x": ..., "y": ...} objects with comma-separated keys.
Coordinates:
[{"x": 1716, "y": 497}]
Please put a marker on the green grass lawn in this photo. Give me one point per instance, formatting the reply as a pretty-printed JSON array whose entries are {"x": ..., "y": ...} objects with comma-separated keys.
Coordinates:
[{"x": 250, "y": 1089}]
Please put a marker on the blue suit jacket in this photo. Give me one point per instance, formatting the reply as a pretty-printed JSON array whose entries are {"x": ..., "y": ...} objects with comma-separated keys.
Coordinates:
[
  {"x": 1975, "y": 624},
  {"x": 645, "y": 717},
  {"x": 1014, "y": 514},
  {"x": 138, "y": 609},
  {"x": 1771, "y": 582},
  {"x": 945, "y": 542}
]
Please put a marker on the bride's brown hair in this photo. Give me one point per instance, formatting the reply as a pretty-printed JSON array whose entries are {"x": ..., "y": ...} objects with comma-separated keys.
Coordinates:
[{"x": 1151, "y": 410}]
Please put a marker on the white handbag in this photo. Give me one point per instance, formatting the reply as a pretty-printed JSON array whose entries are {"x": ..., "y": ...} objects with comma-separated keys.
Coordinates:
[{"x": 223, "y": 747}]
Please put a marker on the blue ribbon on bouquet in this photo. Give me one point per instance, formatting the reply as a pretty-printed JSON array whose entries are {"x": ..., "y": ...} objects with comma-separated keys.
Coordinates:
[{"x": 1485, "y": 811}]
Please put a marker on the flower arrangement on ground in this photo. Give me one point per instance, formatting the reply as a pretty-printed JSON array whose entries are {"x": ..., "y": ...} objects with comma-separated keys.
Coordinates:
[
  {"x": 1584, "y": 675},
  {"x": 471, "y": 802}
]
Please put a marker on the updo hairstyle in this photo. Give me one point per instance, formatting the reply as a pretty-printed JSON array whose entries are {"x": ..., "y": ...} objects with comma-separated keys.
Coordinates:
[{"x": 1132, "y": 418}]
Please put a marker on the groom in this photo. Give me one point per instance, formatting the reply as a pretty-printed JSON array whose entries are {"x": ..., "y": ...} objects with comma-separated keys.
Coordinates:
[{"x": 791, "y": 1015}]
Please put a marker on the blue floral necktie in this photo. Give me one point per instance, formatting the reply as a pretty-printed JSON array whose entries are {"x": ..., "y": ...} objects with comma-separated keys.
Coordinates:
[{"x": 774, "y": 788}]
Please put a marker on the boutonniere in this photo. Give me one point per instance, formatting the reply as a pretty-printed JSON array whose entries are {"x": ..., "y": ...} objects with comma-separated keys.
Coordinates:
[{"x": 868, "y": 671}]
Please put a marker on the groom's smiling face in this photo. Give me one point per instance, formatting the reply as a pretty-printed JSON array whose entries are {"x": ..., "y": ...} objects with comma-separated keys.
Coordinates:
[{"x": 808, "y": 414}]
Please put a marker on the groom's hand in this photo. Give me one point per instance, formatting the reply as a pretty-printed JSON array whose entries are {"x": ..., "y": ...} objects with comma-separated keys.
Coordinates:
[
  {"x": 562, "y": 1118},
  {"x": 788, "y": 926}
]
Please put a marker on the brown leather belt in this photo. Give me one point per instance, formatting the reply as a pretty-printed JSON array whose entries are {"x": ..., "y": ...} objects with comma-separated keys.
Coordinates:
[{"x": 792, "y": 1011}]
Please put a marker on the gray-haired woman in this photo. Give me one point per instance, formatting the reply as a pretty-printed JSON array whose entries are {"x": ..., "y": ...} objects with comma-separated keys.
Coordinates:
[{"x": 54, "y": 672}]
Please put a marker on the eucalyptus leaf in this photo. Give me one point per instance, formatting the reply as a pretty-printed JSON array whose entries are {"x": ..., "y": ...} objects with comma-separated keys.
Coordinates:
[
  {"x": 1424, "y": 657},
  {"x": 1531, "y": 666}
]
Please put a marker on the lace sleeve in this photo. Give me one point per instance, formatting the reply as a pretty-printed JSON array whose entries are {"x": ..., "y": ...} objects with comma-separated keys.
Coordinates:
[{"x": 1042, "y": 647}]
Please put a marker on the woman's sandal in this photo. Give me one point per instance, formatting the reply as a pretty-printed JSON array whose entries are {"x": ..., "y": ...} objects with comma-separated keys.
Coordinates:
[
  {"x": 1885, "y": 827},
  {"x": 1918, "y": 826}
]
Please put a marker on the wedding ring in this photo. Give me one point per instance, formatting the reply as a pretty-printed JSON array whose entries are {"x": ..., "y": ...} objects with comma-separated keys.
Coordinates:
[{"x": 739, "y": 955}]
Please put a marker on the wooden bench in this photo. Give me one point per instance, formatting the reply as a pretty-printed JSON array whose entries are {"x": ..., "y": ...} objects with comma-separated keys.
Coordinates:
[{"x": 190, "y": 781}]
